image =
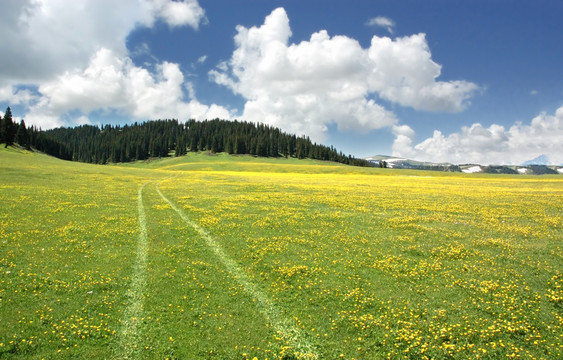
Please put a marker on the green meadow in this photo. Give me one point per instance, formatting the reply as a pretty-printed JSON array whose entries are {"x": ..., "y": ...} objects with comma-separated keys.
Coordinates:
[{"x": 235, "y": 257}]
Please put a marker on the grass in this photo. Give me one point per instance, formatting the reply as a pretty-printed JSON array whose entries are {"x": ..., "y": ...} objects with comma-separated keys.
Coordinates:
[{"x": 244, "y": 257}]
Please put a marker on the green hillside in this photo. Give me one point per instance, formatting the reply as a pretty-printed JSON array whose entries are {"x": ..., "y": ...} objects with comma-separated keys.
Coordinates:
[{"x": 237, "y": 257}]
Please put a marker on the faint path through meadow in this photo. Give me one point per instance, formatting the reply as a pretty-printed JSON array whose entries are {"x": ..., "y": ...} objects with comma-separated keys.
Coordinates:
[
  {"x": 128, "y": 341},
  {"x": 283, "y": 326}
]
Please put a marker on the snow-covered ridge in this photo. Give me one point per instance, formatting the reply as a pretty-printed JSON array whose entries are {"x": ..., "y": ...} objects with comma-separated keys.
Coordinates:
[
  {"x": 473, "y": 169},
  {"x": 538, "y": 166}
]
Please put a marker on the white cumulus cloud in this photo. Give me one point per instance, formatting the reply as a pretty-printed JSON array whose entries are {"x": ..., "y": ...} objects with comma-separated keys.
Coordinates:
[
  {"x": 304, "y": 87},
  {"x": 402, "y": 71},
  {"x": 113, "y": 82},
  {"x": 64, "y": 34},
  {"x": 178, "y": 13},
  {"x": 487, "y": 145},
  {"x": 382, "y": 21},
  {"x": 74, "y": 53},
  {"x": 16, "y": 96}
]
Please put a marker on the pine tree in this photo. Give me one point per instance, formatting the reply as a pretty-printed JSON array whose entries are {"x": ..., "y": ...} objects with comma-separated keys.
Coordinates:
[
  {"x": 22, "y": 136},
  {"x": 8, "y": 128}
]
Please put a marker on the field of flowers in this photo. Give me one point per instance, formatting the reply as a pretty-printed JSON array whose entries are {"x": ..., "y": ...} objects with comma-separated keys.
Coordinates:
[{"x": 220, "y": 257}]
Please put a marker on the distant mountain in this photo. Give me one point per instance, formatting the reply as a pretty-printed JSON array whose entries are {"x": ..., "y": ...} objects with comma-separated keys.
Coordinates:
[
  {"x": 402, "y": 163},
  {"x": 540, "y": 160},
  {"x": 537, "y": 166},
  {"x": 471, "y": 169}
]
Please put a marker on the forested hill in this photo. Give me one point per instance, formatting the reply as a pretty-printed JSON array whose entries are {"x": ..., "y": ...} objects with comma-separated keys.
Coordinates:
[{"x": 162, "y": 138}]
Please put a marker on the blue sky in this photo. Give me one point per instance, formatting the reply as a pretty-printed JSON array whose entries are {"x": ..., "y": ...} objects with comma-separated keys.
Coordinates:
[{"x": 458, "y": 81}]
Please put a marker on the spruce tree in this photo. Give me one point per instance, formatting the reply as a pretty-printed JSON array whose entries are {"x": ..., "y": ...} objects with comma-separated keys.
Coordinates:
[
  {"x": 22, "y": 136},
  {"x": 8, "y": 128}
]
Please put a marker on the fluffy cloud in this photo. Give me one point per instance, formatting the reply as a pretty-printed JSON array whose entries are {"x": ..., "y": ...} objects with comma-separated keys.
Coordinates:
[
  {"x": 382, "y": 21},
  {"x": 113, "y": 82},
  {"x": 16, "y": 96},
  {"x": 402, "y": 71},
  {"x": 402, "y": 146},
  {"x": 487, "y": 145},
  {"x": 84, "y": 62},
  {"x": 64, "y": 34},
  {"x": 304, "y": 87},
  {"x": 180, "y": 13}
]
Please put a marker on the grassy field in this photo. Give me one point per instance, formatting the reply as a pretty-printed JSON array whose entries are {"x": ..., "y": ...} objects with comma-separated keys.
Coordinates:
[{"x": 226, "y": 257}]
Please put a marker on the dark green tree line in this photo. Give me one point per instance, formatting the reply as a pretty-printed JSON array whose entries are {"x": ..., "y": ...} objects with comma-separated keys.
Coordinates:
[{"x": 162, "y": 138}]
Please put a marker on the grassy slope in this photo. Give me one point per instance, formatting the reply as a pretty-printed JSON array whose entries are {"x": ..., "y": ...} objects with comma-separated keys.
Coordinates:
[{"x": 363, "y": 263}]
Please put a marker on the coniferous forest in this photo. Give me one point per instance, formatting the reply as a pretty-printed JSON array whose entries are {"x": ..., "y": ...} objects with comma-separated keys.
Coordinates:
[{"x": 162, "y": 138}]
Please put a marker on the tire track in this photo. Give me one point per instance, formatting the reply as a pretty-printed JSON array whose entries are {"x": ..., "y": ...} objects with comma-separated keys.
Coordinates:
[
  {"x": 129, "y": 336},
  {"x": 283, "y": 326}
]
